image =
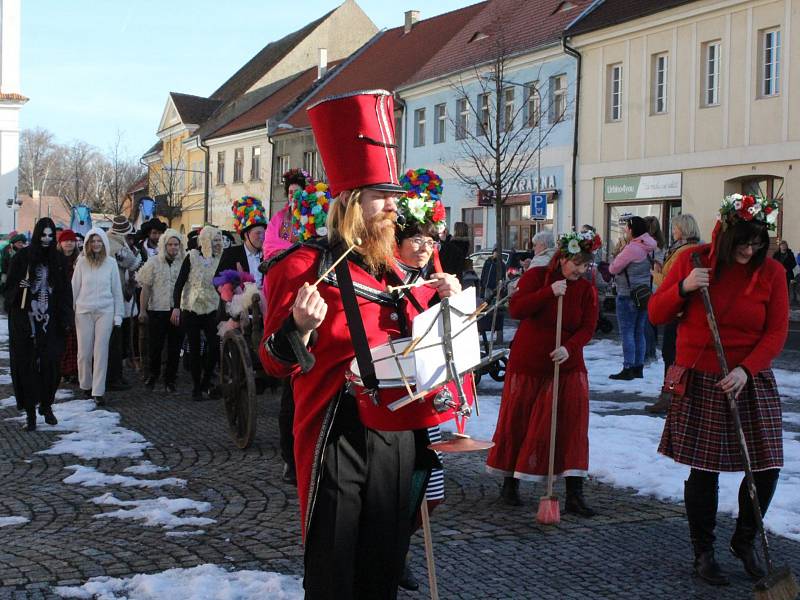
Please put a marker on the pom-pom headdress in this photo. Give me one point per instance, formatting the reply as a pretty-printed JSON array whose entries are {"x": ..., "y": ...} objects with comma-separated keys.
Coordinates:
[
  {"x": 309, "y": 207},
  {"x": 248, "y": 212},
  {"x": 574, "y": 243},
  {"x": 421, "y": 202}
]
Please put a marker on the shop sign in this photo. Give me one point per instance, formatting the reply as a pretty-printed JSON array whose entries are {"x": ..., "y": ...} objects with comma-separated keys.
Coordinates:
[{"x": 642, "y": 187}]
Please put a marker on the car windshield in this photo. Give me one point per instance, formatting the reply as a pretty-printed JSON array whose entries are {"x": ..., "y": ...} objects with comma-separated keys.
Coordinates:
[{"x": 480, "y": 258}]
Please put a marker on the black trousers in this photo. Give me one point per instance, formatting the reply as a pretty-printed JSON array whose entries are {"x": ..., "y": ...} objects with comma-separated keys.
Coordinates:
[
  {"x": 285, "y": 423},
  {"x": 362, "y": 520},
  {"x": 669, "y": 344},
  {"x": 203, "y": 363},
  {"x": 160, "y": 330}
]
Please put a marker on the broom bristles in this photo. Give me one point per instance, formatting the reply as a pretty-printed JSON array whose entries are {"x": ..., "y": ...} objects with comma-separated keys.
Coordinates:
[
  {"x": 548, "y": 513},
  {"x": 779, "y": 584}
]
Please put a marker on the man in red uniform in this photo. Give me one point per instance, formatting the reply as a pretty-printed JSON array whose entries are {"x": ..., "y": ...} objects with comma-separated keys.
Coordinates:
[{"x": 354, "y": 482}]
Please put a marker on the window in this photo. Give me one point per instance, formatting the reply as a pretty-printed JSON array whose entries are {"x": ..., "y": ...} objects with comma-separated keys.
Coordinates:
[
  {"x": 440, "y": 123},
  {"x": 238, "y": 165},
  {"x": 419, "y": 127},
  {"x": 220, "y": 168},
  {"x": 558, "y": 95},
  {"x": 508, "y": 109},
  {"x": 614, "y": 111},
  {"x": 462, "y": 118},
  {"x": 483, "y": 112},
  {"x": 196, "y": 181},
  {"x": 711, "y": 73},
  {"x": 255, "y": 163},
  {"x": 771, "y": 62},
  {"x": 533, "y": 104},
  {"x": 283, "y": 165},
  {"x": 310, "y": 163},
  {"x": 660, "y": 74}
]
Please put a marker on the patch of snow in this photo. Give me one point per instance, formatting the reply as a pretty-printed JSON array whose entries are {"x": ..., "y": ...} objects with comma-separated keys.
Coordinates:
[
  {"x": 8, "y": 521},
  {"x": 604, "y": 358},
  {"x": 144, "y": 468},
  {"x": 155, "y": 512},
  {"x": 791, "y": 418},
  {"x": 10, "y": 402},
  {"x": 5, "y": 379},
  {"x": 185, "y": 533},
  {"x": 204, "y": 582},
  {"x": 64, "y": 394},
  {"x": 4, "y": 355},
  {"x": 91, "y": 477},
  {"x": 92, "y": 433}
]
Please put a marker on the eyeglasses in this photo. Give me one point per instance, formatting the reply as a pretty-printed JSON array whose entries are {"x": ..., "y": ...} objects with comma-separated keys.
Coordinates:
[
  {"x": 756, "y": 246},
  {"x": 419, "y": 242}
]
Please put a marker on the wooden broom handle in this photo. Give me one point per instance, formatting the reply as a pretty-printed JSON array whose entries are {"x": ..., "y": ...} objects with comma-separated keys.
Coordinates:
[
  {"x": 25, "y": 290},
  {"x": 554, "y": 410}
]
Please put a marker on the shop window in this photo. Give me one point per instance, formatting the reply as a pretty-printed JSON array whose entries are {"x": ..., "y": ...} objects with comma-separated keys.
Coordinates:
[
  {"x": 473, "y": 217},
  {"x": 766, "y": 186}
]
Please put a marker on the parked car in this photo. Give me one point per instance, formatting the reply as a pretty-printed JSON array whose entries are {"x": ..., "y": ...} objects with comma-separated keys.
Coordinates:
[{"x": 511, "y": 258}]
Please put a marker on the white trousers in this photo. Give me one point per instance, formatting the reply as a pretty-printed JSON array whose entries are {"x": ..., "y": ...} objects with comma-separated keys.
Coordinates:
[{"x": 93, "y": 330}]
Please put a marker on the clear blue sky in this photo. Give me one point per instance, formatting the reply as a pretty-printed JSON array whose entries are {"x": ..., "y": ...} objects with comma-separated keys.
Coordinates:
[{"x": 92, "y": 67}]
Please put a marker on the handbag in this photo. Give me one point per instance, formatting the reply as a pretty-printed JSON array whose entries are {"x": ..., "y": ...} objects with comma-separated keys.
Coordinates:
[
  {"x": 676, "y": 382},
  {"x": 640, "y": 295}
]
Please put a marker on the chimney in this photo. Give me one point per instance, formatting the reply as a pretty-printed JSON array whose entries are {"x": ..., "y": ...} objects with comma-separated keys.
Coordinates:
[
  {"x": 412, "y": 16},
  {"x": 322, "y": 65}
]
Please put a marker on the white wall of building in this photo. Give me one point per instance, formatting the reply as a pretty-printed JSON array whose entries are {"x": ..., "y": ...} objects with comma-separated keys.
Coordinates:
[{"x": 9, "y": 109}]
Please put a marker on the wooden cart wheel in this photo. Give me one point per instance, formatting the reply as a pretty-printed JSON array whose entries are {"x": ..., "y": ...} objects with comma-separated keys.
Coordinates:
[
  {"x": 238, "y": 388},
  {"x": 498, "y": 372}
]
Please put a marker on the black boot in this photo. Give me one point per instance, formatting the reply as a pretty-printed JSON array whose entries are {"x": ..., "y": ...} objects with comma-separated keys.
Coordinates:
[
  {"x": 743, "y": 540},
  {"x": 625, "y": 375},
  {"x": 661, "y": 406},
  {"x": 701, "y": 512},
  {"x": 99, "y": 401},
  {"x": 638, "y": 372},
  {"x": 30, "y": 421},
  {"x": 510, "y": 491},
  {"x": 407, "y": 580},
  {"x": 150, "y": 384},
  {"x": 47, "y": 413},
  {"x": 575, "y": 503}
]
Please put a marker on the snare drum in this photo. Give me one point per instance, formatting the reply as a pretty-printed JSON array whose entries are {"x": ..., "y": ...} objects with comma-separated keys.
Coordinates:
[{"x": 397, "y": 405}]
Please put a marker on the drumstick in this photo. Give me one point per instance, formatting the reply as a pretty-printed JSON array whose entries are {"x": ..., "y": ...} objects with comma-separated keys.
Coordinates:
[
  {"x": 394, "y": 288},
  {"x": 25, "y": 290},
  {"x": 356, "y": 242}
]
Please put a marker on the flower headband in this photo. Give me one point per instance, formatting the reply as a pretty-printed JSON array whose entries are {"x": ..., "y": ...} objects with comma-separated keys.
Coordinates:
[
  {"x": 748, "y": 208},
  {"x": 293, "y": 174},
  {"x": 309, "y": 208},
  {"x": 573, "y": 243},
  {"x": 422, "y": 209}
]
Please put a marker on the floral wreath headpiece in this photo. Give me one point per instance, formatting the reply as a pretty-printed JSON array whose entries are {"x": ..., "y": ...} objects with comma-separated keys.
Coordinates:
[
  {"x": 293, "y": 174},
  {"x": 737, "y": 207},
  {"x": 309, "y": 208},
  {"x": 422, "y": 209},
  {"x": 248, "y": 212},
  {"x": 422, "y": 181},
  {"x": 575, "y": 242}
]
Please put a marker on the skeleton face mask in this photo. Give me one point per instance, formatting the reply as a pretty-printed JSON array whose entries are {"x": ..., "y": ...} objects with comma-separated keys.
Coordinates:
[{"x": 47, "y": 237}]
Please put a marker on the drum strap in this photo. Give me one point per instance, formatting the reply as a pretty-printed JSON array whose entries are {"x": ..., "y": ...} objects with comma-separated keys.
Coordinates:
[{"x": 356, "y": 325}]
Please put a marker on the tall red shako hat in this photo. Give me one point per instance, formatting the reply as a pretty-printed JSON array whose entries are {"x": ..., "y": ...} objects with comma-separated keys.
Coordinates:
[{"x": 355, "y": 137}]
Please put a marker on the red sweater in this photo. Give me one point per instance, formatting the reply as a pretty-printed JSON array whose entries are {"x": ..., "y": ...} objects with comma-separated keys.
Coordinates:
[
  {"x": 536, "y": 307},
  {"x": 753, "y": 319}
]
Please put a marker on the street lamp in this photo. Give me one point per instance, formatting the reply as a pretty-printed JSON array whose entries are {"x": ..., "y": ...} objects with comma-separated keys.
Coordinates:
[{"x": 14, "y": 204}]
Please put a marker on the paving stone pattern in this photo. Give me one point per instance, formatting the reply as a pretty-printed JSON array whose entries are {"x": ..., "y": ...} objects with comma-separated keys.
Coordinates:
[{"x": 637, "y": 548}]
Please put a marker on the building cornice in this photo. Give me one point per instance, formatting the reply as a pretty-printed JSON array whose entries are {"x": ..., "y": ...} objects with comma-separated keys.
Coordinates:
[{"x": 260, "y": 132}]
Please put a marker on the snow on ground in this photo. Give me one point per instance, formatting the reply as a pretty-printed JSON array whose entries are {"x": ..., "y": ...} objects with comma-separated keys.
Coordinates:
[
  {"x": 155, "y": 512},
  {"x": 8, "y": 521},
  {"x": 3, "y": 329},
  {"x": 9, "y": 402},
  {"x": 185, "y": 533},
  {"x": 91, "y": 477},
  {"x": 205, "y": 582},
  {"x": 623, "y": 448},
  {"x": 5, "y": 379},
  {"x": 4, "y": 355},
  {"x": 145, "y": 467},
  {"x": 93, "y": 433}
]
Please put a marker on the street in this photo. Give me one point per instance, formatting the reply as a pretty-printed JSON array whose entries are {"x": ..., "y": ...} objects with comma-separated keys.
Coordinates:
[{"x": 229, "y": 508}]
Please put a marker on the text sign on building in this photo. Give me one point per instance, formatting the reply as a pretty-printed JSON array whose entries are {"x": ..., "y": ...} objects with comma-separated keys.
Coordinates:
[
  {"x": 642, "y": 187},
  {"x": 538, "y": 207},
  {"x": 485, "y": 197}
]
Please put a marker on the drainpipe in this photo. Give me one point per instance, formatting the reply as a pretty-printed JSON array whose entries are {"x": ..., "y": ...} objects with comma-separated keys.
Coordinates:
[
  {"x": 577, "y": 55},
  {"x": 271, "y": 166},
  {"x": 206, "y": 187},
  {"x": 398, "y": 100}
]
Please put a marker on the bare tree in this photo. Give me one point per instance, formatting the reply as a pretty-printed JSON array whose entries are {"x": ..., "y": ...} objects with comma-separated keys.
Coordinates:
[
  {"x": 38, "y": 157},
  {"x": 76, "y": 182},
  {"x": 167, "y": 179},
  {"x": 120, "y": 172},
  {"x": 506, "y": 140}
]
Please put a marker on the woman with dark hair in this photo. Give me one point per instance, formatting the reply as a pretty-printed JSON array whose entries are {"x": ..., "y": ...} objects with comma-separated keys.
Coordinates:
[
  {"x": 68, "y": 246},
  {"x": 39, "y": 304},
  {"x": 748, "y": 294},
  {"x": 632, "y": 269},
  {"x": 656, "y": 262},
  {"x": 522, "y": 437}
]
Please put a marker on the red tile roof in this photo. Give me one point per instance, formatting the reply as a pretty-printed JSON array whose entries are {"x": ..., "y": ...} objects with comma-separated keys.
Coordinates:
[
  {"x": 612, "y": 12},
  {"x": 390, "y": 58},
  {"x": 256, "y": 117},
  {"x": 514, "y": 26}
]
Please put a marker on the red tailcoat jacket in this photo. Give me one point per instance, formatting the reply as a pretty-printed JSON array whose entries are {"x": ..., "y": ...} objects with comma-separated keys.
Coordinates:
[{"x": 316, "y": 393}]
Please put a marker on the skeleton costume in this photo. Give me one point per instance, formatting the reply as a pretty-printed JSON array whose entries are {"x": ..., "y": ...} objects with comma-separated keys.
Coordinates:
[{"x": 38, "y": 321}]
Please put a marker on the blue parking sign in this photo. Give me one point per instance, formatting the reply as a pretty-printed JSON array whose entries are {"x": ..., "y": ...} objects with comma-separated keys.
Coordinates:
[{"x": 539, "y": 207}]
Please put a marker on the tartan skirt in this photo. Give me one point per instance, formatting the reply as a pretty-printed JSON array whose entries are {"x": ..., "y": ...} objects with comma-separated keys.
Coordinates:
[
  {"x": 69, "y": 360},
  {"x": 699, "y": 429}
]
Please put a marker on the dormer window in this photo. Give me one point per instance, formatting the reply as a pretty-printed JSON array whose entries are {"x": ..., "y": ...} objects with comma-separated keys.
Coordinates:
[
  {"x": 564, "y": 7},
  {"x": 478, "y": 36}
]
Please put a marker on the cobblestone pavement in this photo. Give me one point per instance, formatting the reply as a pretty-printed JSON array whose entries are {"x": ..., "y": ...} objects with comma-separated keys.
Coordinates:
[{"x": 637, "y": 548}]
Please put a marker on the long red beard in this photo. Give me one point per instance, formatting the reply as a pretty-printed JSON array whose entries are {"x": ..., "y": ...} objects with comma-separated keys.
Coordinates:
[{"x": 378, "y": 241}]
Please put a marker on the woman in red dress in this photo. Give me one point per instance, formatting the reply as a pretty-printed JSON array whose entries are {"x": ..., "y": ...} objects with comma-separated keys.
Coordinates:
[
  {"x": 522, "y": 437},
  {"x": 748, "y": 294}
]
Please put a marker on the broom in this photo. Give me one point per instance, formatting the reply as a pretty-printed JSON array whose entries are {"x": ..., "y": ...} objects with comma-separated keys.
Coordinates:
[
  {"x": 548, "y": 513},
  {"x": 778, "y": 583}
]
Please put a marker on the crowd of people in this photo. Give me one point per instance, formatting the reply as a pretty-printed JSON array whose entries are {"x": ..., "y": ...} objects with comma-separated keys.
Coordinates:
[{"x": 79, "y": 307}]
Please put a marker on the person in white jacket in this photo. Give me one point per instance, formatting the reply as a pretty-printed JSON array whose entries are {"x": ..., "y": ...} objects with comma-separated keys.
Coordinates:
[{"x": 99, "y": 307}]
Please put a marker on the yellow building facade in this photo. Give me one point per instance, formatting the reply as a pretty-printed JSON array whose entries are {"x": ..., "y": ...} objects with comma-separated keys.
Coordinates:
[{"x": 684, "y": 106}]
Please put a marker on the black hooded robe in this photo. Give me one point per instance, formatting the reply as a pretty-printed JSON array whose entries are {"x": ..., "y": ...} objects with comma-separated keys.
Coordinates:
[{"x": 37, "y": 330}]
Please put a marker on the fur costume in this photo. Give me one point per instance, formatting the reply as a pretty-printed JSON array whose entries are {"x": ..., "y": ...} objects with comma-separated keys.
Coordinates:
[{"x": 160, "y": 275}]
